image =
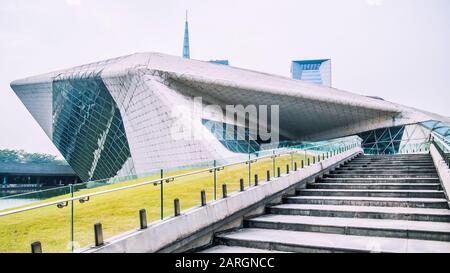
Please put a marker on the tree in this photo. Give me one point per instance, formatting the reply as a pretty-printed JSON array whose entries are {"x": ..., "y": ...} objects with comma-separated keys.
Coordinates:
[
  {"x": 7, "y": 156},
  {"x": 20, "y": 156}
]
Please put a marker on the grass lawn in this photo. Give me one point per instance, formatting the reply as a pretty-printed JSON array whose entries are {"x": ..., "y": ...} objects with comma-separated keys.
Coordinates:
[{"x": 118, "y": 211}]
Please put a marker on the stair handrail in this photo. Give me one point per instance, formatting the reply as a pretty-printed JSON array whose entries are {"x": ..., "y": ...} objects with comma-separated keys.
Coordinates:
[{"x": 437, "y": 144}]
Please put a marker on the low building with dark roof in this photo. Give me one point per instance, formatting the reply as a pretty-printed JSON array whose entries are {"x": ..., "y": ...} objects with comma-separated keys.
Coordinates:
[{"x": 36, "y": 175}]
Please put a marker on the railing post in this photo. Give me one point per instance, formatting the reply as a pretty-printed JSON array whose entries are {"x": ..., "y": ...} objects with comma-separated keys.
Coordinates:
[
  {"x": 295, "y": 166},
  {"x": 305, "y": 156},
  {"x": 318, "y": 158},
  {"x": 268, "y": 175},
  {"x": 273, "y": 162},
  {"x": 287, "y": 168},
  {"x": 302, "y": 164},
  {"x": 278, "y": 172},
  {"x": 176, "y": 207},
  {"x": 308, "y": 161},
  {"x": 203, "y": 198},
  {"x": 249, "y": 170},
  {"x": 292, "y": 159},
  {"x": 36, "y": 247},
  {"x": 162, "y": 194},
  {"x": 143, "y": 218},
  {"x": 241, "y": 184},
  {"x": 98, "y": 234},
  {"x": 71, "y": 220},
  {"x": 215, "y": 180},
  {"x": 314, "y": 160},
  {"x": 224, "y": 191},
  {"x": 256, "y": 180}
]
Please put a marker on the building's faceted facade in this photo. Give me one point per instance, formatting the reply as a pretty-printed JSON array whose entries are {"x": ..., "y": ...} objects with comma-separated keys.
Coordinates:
[
  {"x": 130, "y": 115},
  {"x": 314, "y": 71}
]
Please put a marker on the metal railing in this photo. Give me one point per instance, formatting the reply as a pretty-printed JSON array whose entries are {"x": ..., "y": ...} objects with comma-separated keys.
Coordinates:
[
  {"x": 61, "y": 229},
  {"x": 442, "y": 147},
  {"x": 411, "y": 146}
]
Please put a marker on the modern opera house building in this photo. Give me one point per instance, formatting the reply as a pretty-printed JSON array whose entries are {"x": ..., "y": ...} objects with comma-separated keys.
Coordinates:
[{"x": 118, "y": 117}]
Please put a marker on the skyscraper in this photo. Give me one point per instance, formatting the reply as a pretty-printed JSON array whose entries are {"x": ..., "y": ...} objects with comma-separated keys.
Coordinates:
[
  {"x": 186, "y": 51},
  {"x": 315, "y": 71}
]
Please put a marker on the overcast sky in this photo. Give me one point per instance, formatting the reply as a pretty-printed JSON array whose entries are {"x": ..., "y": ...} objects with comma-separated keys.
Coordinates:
[{"x": 395, "y": 49}]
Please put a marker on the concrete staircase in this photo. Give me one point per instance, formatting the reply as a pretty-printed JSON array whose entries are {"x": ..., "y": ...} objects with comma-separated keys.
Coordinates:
[{"x": 388, "y": 203}]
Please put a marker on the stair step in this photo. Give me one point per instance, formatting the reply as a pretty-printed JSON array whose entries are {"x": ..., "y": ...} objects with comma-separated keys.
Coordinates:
[
  {"x": 393, "y": 158},
  {"x": 391, "y": 163},
  {"x": 384, "y": 158},
  {"x": 372, "y": 193},
  {"x": 299, "y": 241},
  {"x": 385, "y": 172},
  {"x": 369, "y": 201},
  {"x": 393, "y": 213},
  {"x": 388, "y": 167},
  {"x": 376, "y": 186},
  {"x": 355, "y": 226},
  {"x": 418, "y": 158},
  {"x": 380, "y": 180},
  {"x": 349, "y": 175},
  {"x": 237, "y": 249}
]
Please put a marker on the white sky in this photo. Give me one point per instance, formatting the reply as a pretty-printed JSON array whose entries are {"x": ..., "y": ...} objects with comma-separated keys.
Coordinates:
[{"x": 395, "y": 49}]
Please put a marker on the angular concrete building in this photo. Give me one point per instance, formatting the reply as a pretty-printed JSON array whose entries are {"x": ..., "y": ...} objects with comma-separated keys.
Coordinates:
[{"x": 121, "y": 116}]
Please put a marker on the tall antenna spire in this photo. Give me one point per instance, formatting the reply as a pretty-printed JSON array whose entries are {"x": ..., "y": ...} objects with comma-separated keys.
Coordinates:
[{"x": 186, "y": 51}]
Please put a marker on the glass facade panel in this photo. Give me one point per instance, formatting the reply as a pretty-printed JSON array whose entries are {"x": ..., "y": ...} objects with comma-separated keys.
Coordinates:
[
  {"x": 88, "y": 128},
  {"x": 400, "y": 139},
  {"x": 441, "y": 128},
  {"x": 233, "y": 139}
]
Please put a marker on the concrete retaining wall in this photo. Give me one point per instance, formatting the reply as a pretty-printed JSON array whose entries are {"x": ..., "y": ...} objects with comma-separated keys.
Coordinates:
[
  {"x": 158, "y": 236},
  {"x": 442, "y": 169}
]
